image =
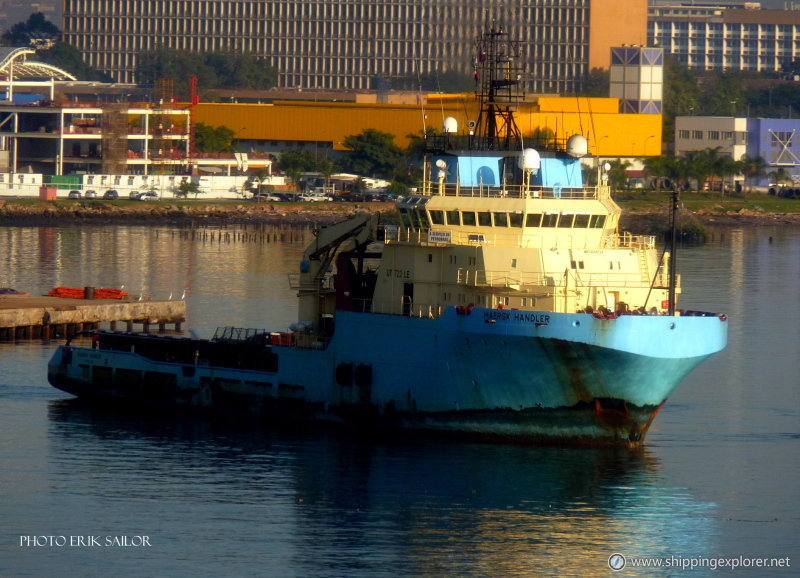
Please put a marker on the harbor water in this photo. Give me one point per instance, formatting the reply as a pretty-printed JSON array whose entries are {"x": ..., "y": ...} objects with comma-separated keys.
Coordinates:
[{"x": 90, "y": 492}]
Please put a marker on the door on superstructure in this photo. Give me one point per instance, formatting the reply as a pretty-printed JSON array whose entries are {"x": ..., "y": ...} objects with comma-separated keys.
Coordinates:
[{"x": 408, "y": 298}]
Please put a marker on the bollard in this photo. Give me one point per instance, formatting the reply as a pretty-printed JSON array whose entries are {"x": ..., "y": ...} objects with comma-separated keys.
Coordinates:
[{"x": 88, "y": 292}]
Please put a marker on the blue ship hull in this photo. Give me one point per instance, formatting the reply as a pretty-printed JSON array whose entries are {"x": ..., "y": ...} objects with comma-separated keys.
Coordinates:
[{"x": 527, "y": 376}]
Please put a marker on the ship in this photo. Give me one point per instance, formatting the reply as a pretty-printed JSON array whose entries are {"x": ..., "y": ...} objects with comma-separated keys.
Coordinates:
[{"x": 506, "y": 304}]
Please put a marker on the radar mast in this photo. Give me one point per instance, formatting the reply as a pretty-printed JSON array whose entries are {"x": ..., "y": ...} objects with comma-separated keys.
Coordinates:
[{"x": 498, "y": 86}]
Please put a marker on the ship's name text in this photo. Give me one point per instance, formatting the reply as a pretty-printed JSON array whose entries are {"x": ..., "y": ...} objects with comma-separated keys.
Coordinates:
[
  {"x": 519, "y": 316},
  {"x": 399, "y": 273}
]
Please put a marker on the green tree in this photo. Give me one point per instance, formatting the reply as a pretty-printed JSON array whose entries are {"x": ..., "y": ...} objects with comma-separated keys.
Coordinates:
[
  {"x": 372, "y": 153},
  {"x": 186, "y": 188},
  {"x": 677, "y": 171},
  {"x": 255, "y": 179},
  {"x": 213, "y": 69},
  {"x": 752, "y": 168},
  {"x": 296, "y": 161},
  {"x": 657, "y": 168},
  {"x": 701, "y": 164},
  {"x": 37, "y": 29},
  {"x": 39, "y": 33},
  {"x": 617, "y": 178},
  {"x": 210, "y": 140},
  {"x": 781, "y": 176},
  {"x": 450, "y": 82},
  {"x": 726, "y": 169},
  {"x": 235, "y": 70},
  {"x": 681, "y": 95},
  {"x": 67, "y": 57},
  {"x": 722, "y": 94},
  {"x": 597, "y": 83},
  {"x": 398, "y": 188}
]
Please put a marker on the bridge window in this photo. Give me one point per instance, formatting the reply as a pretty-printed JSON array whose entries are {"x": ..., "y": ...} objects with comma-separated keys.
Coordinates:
[
  {"x": 485, "y": 219},
  {"x": 468, "y": 218},
  {"x": 437, "y": 217},
  {"x": 500, "y": 219},
  {"x": 581, "y": 221},
  {"x": 533, "y": 220},
  {"x": 452, "y": 218},
  {"x": 423, "y": 219},
  {"x": 565, "y": 222},
  {"x": 405, "y": 218},
  {"x": 550, "y": 220},
  {"x": 515, "y": 219},
  {"x": 597, "y": 221}
]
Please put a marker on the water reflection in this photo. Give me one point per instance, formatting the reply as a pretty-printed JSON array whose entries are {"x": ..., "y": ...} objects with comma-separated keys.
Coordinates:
[{"x": 335, "y": 504}]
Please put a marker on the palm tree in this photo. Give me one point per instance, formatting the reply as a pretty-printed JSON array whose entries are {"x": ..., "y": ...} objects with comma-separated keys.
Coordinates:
[
  {"x": 677, "y": 171},
  {"x": 656, "y": 167},
  {"x": 725, "y": 168},
  {"x": 753, "y": 168},
  {"x": 253, "y": 183},
  {"x": 616, "y": 174},
  {"x": 780, "y": 176},
  {"x": 701, "y": 164}
]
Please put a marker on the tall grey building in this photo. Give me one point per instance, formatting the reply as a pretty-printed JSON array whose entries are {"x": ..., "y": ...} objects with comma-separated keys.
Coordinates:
[{"x": 346, "y": 44}]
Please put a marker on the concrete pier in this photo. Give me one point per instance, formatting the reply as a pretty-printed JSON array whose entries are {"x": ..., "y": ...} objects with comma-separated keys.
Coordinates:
[{"x": 43, "y": 317}]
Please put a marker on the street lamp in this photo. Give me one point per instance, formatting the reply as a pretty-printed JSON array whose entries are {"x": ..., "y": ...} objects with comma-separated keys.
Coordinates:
[
  {"x": 644, "y": 148},
  {"x": 599, "y": 141}
]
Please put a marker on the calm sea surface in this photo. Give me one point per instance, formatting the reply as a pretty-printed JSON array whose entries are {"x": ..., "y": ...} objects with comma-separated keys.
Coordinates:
[{"x": 91, "y": 493}]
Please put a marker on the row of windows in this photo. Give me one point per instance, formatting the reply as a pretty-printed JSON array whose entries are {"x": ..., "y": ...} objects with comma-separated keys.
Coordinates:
[
  {"x": 417, "y": 33},
  {"x": 724, "y": 135},
  {"x": 503, "y": 219}
]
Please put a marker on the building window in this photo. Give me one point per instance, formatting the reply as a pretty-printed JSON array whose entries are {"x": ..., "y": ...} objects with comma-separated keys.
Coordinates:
[{"x": 697, "y": 134}]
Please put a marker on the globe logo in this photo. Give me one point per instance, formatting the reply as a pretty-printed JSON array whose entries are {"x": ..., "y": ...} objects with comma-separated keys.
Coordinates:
[{"x": 616, "y": 562}]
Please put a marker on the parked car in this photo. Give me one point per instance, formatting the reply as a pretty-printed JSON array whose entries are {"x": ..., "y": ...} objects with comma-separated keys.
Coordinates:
[
  {"x": 90, "y": 194},
  {"x": 74, "y": 195},
  {"x": 314, "y": 197},
  {"x": 147, "y": 196},
  {"x": 266, "y": 197},
  {"x": 111, "y": 195}
]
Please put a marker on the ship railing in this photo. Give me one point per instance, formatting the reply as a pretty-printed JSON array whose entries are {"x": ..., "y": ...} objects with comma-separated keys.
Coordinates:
[
  {"x": 515, "y": 191},
  {"x": 555, "y": 239},
  {"x": 528, "y": 281},
  {"x": 236, "y": 334},
  {"x": 629, "y": 241},
  {"x": 400, "y": 306},
  {"x": 481, "y": 278}
]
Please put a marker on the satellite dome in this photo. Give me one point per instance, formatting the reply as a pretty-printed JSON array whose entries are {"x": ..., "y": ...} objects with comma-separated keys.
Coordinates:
[
  {"x": 529, "y": 160},
  {"x": 450, "y": 125},
  {"x": 577, "y": 146}
]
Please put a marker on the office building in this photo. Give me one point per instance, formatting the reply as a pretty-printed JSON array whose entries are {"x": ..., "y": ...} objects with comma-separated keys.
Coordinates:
[
  {"x": 775, "y": 140},
  {"x": 726, "y": 37},
  {"x": 332, "y": 44}
]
